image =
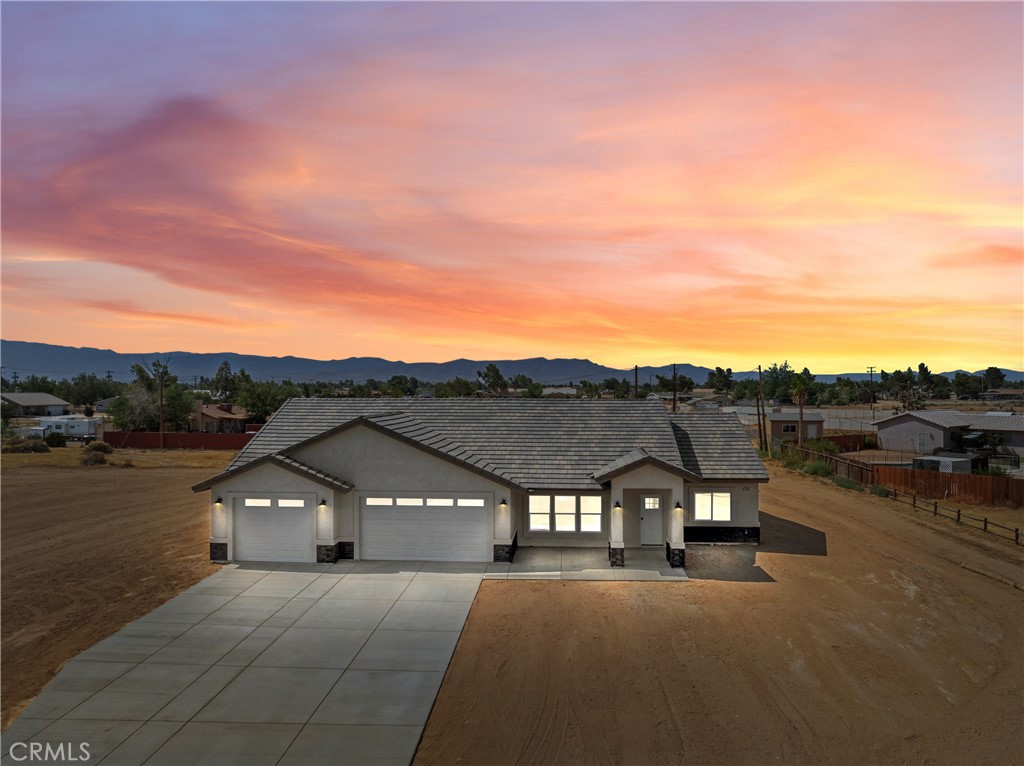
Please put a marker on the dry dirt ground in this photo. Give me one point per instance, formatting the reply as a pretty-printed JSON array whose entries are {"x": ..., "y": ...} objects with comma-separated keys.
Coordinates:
[
  {"x": 85, "y": 550},
  {"x": 858, "y": 633}
]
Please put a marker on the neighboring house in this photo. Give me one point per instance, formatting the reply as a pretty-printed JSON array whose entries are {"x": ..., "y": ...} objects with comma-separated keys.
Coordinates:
[
  {"x": 783, "y": 426},
  {"x": 1003, "y": 394},
  {"x": 219, "y": 419},
  {"x": 473, "y": 479},
  {"x": 558, "y": 392},
  {"x": 924, "y": 431},
  {"x": 103, "y": 405},
  {"x": 35, "y": 405}
]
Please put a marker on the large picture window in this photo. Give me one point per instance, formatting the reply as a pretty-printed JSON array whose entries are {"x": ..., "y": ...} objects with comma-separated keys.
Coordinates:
[
  {"x": 712, "y": 506},
  {"x": 565, "y": 513}
]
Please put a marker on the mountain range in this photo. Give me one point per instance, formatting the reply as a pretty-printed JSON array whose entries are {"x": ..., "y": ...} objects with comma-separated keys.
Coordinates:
[{"x": 26, "y": 358}]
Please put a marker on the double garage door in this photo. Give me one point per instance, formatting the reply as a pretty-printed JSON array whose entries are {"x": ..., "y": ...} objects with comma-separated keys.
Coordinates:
[{"x": 437, "y": 528}]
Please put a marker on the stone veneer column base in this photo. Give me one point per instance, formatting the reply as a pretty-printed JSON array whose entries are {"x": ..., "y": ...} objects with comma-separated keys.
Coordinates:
[
  {"x": 676, "y": 556},
  {"x": 506, "y": 553},
  {"x": 616, "y": 556},
  {"x": 218, "y": 551},
  {"x": 344, "y": 550},
  {"x": 326, "y": 554}
]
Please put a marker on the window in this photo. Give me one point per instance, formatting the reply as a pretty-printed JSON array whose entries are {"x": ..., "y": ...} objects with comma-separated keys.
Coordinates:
[
  {"x": 257, "y": 502},
  {"x": 471, "y": 502},
  {"x": 712, "y": 506},
  {"x": 652, "y": 503},
  {"x": 565, "y": 513},
  {"x": 444, "y": 502},
  {"x": 379, "y": 501},
  {"x": 409, "y": 501},
  {"x": 285, "y": 503},
  {"x": 788, "y": 429},
  {"x": 540, "y": 513}
]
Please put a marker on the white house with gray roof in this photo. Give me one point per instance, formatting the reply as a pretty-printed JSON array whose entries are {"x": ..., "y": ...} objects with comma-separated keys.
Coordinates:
[
  {"x": 924, "y": 431},
  {"x": 473, "y": 479}
]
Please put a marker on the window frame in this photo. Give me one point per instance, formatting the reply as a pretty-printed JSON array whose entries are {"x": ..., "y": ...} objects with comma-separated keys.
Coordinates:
[
  {"x": 788, "y": 428},
  {"x": 554, "y": 514},
  {"x": 712, "y": 495}
]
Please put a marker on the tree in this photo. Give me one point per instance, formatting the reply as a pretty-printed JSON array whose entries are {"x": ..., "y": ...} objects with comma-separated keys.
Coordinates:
[
  {"x": 492, "y": 380},
  {"x": 720, "y": 380},
  {"x": 534, "y": 390},
  {"x": 520, "y": 381},
  {"x": 968, "y": 386},
  {"x": 778, "y": 380},
  {"x": 800, "y": 388},
  {"x": 225, "y": 383},
  {"x": 135, "y": 409},
  {"x": 262, "y": 398},
  {"x": 993, "y": 378}
]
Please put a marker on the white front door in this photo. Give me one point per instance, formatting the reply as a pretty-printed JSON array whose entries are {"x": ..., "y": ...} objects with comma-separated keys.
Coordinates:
[{"x": 651, "y": 529}]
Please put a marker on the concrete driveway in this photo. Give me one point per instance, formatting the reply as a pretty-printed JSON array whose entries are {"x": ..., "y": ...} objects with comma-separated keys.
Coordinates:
[{"x": 282, "y": 664}]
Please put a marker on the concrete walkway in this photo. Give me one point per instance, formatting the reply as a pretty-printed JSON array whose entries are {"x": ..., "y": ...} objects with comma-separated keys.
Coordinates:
[{"x": 283, "y": 664}]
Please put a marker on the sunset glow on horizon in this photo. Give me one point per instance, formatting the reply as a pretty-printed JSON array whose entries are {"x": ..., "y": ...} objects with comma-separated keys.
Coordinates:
[{"x": 734, "y": 184}]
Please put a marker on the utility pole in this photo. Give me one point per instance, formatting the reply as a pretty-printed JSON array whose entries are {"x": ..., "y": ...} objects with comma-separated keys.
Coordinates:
[
  {"x": 674, "y": 395},
  {"x": 14, "y": 379},
  {"x": 110, "y": 375},
  {"x": 636, "y": 381},
  {"x": 871, "y": 390},
  {"x": 762, "y": 426}
]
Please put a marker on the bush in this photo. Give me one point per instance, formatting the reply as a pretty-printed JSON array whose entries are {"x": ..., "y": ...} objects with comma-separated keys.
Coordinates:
[
  {"x": 824, "y": 446},
  {"x": 101, "y": 447},
  {"x": 56, "y": 440},
  {"x": 818, "y": 468},
  {"x": 793, "y": 460},
  {"x": 877, "y": 489},
  {"x": 19, "y": 444},
  {"x": 846, "y": 483},
  {"x": 93, "y": 458}
]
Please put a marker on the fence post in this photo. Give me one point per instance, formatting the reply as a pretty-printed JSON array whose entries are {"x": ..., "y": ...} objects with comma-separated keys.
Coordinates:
[
  {"x": 985, "y": 524},
  {"x": 1016, "y": 535},
  {"x": 913, "y": 501},
  {"x": 935, "y": 508},
  {"x": 957, "y": 515}
]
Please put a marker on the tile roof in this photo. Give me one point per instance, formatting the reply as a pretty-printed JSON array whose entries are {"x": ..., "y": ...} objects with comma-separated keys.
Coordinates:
[
  {"x": 536, "y": 444},
  {"x": 957, "y": 419},
  {"x": 996, "y": 423},
  {"x": 316, "y": 474},
  {"x": 717, "y": 446}
]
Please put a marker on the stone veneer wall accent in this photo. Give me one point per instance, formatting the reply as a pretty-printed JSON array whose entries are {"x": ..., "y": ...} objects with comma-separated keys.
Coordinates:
[
  {"x": 345, "y": 550},
  {"x": 616, "y": 556},
  {"x": 676, "y": 556},
  {"x": 696, "y": 534},
  {"x": 326, "y": 554},
  {"x": 218, "y": 551},
  {"x": 506, "y": 553}
]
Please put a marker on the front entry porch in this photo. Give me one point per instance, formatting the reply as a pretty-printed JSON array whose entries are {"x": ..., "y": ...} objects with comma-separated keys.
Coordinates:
[{"x": 542, "y": 563}]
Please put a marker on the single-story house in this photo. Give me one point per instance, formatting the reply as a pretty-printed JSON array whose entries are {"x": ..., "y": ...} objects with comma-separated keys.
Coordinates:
[
  {"x": 218, "y": 419},
  {"x": 784, "y": 426},
  {"x": 34, "y": 405},
  {"x": 1003, "y": 394},
  {"x": 924, "y": 431},
  {"x": 103, "y": 405},
  {"x": 473, "y": 479}
]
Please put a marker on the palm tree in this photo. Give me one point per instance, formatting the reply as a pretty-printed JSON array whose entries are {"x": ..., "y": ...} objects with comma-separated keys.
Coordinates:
[{"x": 799, "y": 387}]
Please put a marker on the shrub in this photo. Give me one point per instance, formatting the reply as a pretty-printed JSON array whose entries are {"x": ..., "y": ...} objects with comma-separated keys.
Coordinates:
[
  {"x": 995, "y": 470},
  {"x": 793, "y": 460},
  {"x": 824, "y": 446},
  {"x": 101, "y": 447},
  {"x": 93, "y": 458},
  {"x": 127, "y": 464},
  {"x": 19, "y": 444},
  {"x": 56, "y": 440},
  {"x": 818, "y": 468},
  {"x": 877, "y": 489},
  {"x": 846, "y": 483}
]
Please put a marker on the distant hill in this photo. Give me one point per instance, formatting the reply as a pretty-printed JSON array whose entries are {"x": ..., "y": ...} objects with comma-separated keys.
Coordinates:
[{"x": 66, "y": 361}]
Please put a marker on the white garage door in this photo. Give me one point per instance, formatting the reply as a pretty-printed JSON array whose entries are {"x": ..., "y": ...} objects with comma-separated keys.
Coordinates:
[
  {"x": 426, "y": 528},
  {"x": 267, "y": 531}
]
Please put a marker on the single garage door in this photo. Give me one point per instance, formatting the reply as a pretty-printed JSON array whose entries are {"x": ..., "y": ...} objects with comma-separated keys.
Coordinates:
[
  {"x": 269, "y": 529},
  {"x": 426, "y": 528}
]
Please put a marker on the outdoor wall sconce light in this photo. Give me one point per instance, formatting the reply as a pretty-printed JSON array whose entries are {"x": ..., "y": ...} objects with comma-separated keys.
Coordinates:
[
  {"x": 618, "y": 506},
  {"x": 218, "y": 501},
  {"x": 503, "y": 504},
  {"x": 679, "y": 506},
  {"x": 323, "y": 503}
]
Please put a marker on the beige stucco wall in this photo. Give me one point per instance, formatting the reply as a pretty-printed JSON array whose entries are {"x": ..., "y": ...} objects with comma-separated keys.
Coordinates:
[{"x": 630, "y": 488}]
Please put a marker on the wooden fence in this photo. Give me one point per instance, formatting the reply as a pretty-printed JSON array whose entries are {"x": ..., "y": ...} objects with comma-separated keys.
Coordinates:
[
  {"x": 851, "y": 469},
  {"x": 955, "y": 514},
  {"x": 935, "y": 485}
]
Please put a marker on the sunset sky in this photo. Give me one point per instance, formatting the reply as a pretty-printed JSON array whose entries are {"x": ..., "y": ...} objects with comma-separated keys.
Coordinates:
[{"x": 839, "y": 185}]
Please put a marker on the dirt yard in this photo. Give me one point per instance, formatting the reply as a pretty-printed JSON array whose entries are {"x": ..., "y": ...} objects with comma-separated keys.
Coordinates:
[
  {"x": 856, "y": 634},
  {"x": 85, "y": 550}
]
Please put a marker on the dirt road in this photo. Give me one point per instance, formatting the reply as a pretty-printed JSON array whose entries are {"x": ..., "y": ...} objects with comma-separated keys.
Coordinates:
[
  {"x": 85, "y": 550},
  {"x": 857, "y": 634}
]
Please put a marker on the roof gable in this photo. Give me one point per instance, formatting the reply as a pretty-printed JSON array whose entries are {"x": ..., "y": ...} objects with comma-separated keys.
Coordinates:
[{"x": 717, "y": 446}]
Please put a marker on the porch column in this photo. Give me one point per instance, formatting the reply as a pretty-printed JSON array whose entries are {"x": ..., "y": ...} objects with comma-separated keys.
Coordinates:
[
  {"x": 616, "y": 546},
  {"x": 675, "y": 547}
]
